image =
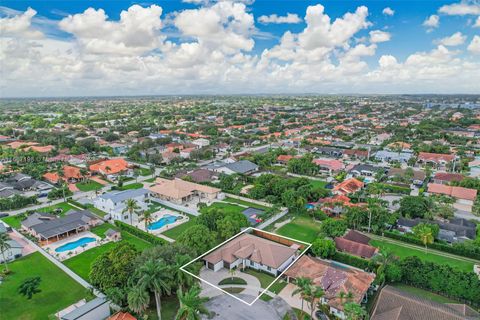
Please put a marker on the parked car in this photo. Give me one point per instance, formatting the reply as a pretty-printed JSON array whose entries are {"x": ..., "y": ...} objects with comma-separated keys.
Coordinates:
[{"x": 321, "y": 315}]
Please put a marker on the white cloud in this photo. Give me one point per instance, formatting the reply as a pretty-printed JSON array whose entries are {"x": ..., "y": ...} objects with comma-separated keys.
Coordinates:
[
  {"x": 474, "y": 46},
  {"x": 477, "y": 23},
  {"x": 460, "y": 9},
  {"x": 273, "y": 18},
  {"x": 455, "y": 39},
  {"x": 379, "y": 36},
  {"x": 388, "y": 11},
  {"x": 432, "y": 22},
  {"x": 19, "y": 25}
]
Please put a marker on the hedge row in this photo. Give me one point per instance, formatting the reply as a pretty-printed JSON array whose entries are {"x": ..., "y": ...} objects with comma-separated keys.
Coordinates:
[
  {"x": 390, "y": 188},
  {"x": 352, "y": 260},
  {"x": 460, "y": 250},
  {"x": 140, "y": 233}
]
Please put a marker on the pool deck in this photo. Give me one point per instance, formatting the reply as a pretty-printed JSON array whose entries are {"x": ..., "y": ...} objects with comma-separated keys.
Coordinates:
[
  {"x": 50, "y": 248},
  {"x": 157, "y": 216}
]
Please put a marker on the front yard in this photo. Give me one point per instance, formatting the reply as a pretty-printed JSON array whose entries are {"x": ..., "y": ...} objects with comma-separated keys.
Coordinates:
[
  {"x": 300, "y": 228},
  {"x": 58, "y": 290},
  {"x": 89, "y": 185}
]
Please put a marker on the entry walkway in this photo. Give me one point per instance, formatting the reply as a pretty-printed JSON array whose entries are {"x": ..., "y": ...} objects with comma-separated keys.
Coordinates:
[{"x": 253, "y": 287}]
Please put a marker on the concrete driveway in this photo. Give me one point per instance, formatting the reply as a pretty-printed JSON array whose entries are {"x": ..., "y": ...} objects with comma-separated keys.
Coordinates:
[
  {"x": 293, "y": 301},
  {"x": 253, "y": 287}
]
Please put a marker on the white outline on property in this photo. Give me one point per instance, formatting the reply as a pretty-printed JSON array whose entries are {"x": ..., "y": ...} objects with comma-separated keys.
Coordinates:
[{"x": 230, "y": 239}]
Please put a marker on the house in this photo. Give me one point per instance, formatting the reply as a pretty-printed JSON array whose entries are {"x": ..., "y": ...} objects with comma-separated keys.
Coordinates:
[
  {"x": 198, "y": 176},
  {"x": 335, "y": 205},
  {"x": 46, "y": 227},
  {"x": 395, "y": 304},
  {"x": 111, "y": 167},
  {"x": 447, "y": 177},
  {"x": 180, "y": 191},
  {"x": 284, "y": 158},
  {"x": 333, "y": 279},
  {"x": 365, "y": 170},
  {"x": 114, "y": 203},
  {"x": 474, "y": 167},
  {"x": 201, "y": 142},
  {"x": 98, "y": 308},
  {"x": 330, "y": 151},
  {"x": 15, "y": 249},
  {"x": 348, "y": 186},
  {"x": 465, "y": 197},
  {"x": 239, "y": 167},
  {"x": 25, "y": 185},
  {"x": 122, "y": 316},
  {"x": 456, "y": 230},
  {"x": 329, "y": 166},
  {"x": 417, "y": 177},
  {"x": 248, "y": 250},
  {"x": 186, "y": 152},
  {"x": 435, "y": 159},
  {"x": 70, "y": 175},
  {"x": 356, "y": 154},
  {"x": 355, "y": 244},
  {"x": 392, "y": 156},
  {"x": 113, "y": 235},
  {"x": 118, "y": 148}
]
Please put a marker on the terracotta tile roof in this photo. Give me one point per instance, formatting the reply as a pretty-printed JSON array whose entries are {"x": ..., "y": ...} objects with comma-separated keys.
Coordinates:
[
  {"x": 448, "y": 176},
  {"x": 333, "y": 279},
  {"x": 355, "y": 248},
  {"x": 332, "y": 164},
  {"x": 436, "y": 157},
  {"x": 284, "y": 158},
  {"x": 356, "y": 236},
  {"x": 122, "y": 316},
  {"x": 349, "y": 186},
  {"x": 178, "y": 188},
  {"x": 115, "y": 166},
  {"x": 456, "y": 192},
  {"x": 254, "y": 248},
  {"x": 395, "y": 304}
]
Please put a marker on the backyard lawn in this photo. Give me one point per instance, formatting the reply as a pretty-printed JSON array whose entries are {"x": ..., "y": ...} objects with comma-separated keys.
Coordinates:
[
  {"x": 302, "y": 228},
  {"x": 80, "y": 264},
  {"x": 58, "y": 290},
  {"x": 89, "y": 185},
  {"x": 318, "y": 183},
  {"x": 226, "y": 207},
  {"x": 175, "y": 232},
  {"x": 245, "y": 203},
  {"x": 135, "y": 185},
  {"x": 403, "y": 252}
]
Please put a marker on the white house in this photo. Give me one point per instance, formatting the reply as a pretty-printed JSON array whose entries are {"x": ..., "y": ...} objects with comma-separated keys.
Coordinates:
[
  {"x": 114, "y": 203},
  {"x": 251, "y": 251},
  {"x": 202, "y": 142},
  {"x": 12, "y": 253}
]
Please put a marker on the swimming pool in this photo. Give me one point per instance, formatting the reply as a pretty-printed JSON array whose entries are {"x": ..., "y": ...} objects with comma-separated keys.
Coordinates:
[
  {"x": 75, "y": 244},
  {"x": 166, "y": 219}
]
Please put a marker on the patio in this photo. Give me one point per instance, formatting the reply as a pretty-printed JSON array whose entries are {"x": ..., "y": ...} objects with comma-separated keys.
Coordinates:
[
  {"x": 71, "y": 246},
  {"x": 168, "y": 223}
]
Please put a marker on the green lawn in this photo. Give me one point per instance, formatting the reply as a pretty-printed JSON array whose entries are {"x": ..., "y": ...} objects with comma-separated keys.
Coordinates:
[
  {"x": 13, "y": 221},
  {"x": 301, "y": 228},
  {"x": 58, "y": 290},
  {"x": 89, "y": 185},
  {"x": 98, "y": 212},
  {"x": 144, "y": 171},
  {"x": 403, "y": 252},
  {"x": 135, "y": 185},
  {"x": 170, "y": 307},
  {"x": 245, "y": 203},
  {"x": 226, "y": 207},
  {"x": 80, "y": 264},
  {"x": 318, "y": 183},
  {"x": 233, "y": 280},
  {"x": 424, "y": 293},
  {"x": 266, "y": 279},
  {"x": 175, "y": 232}
]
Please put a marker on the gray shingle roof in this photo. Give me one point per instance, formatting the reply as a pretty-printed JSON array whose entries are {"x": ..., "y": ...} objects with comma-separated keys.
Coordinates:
[
  {"x": 81, "y": 311},
  {"x": 242, "y": 166},
  {"x": 121, "y": 196},
  {"x": 72, "y": 221}
]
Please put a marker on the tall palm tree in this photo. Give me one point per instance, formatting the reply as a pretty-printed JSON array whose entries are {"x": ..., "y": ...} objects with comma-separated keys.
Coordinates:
[
  {"x": 314, "y": 294},
  {"x": 384, "y": 258},
  {"x": 29, "y": 287},
  {"x": 138, "y": 299},
  {"x": 182, "y": 279},
  {"x": 155, "y": 276},
  {"x": 303, "y": 286},
  {"x": 4, "y": 246},
  {"x": 147, "y": 218},
  {"x": 425, "y": 234},
  {"x": 191, "y": 305},
  {"x": 131, "y": 206}
]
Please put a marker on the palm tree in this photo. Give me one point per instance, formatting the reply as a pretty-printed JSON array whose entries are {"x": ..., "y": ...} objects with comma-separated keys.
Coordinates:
[
  {"x": 191, "y": 305},
  {"x": 182, "y": 279},
  {"x": 138, "y": 299},
  {"x": 314, "y": 294},
  {"x": 425, "y": 234},
  {"x": 303, "y": 286},
  {"x": 131, "y": 206},
  {"x": 155, "y": 276},
  {"x": 4, "y": 246},
  {"x": 29, "y": 287},
  {"x": 147, "y": 218},
  {"x": 384, "y": 258}
]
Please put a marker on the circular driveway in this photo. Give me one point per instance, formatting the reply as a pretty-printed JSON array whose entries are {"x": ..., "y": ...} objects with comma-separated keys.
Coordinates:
[{"x": 252, "y": 288}]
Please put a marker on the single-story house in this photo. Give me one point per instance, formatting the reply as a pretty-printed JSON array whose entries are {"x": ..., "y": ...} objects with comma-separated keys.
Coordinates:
[
  {"x": 417, "y": 178},
  {"x": 329, "y": 165},
  {"x": 239, "y": 167},
  {"x": 365, "y": 170},
  {"x": 180, "y": 191},
  {"x": 111, "y": 167},
  {"x": 198, "y": 176},
  {"x": 354, "y": 243},
  {"x": 15, "y": 249},
  {"x": 395, "y": 304},
  {"x": 465, "y": 197},
  {"x": 435, "y": 159},
  {"x": 115, "y": 202},
  {"x": 447, "y": 177},
  {"x": 392, "y": 156},
  {"x": 333, "y": 279},
  {"x": 456, "y": 230},
  {"x": 348, "y": 186},
  {"x": 98, "y": 308},
  {"x": 248, "y": 250}
]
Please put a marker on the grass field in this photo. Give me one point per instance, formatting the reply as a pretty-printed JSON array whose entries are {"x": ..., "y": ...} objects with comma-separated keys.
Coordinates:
[
  {"x": 301, "y": 228},
  {"x": 89, "y": 185},
  {"x": 80, "y": 264},
  {"x": 226, "y": 207},
  {"x": 175, "y": 232},
  {"x": 135, "y": 185},
  {"x": 318, "y": 183},
  {"x": 58, "y": 290},
  {"x": 403, "y": 252}
]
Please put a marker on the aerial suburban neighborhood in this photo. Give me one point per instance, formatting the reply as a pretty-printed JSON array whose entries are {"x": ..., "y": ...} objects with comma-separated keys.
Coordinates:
[{"x": 240, "y": 160}]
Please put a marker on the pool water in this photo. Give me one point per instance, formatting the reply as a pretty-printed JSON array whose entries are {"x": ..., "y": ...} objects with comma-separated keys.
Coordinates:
[
  {"x": 75, "y": 244},
  {"x": 166, "y": 219}
]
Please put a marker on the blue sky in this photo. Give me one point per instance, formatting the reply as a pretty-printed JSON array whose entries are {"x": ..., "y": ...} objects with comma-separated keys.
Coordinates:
[{"x": 405, "y": 28}]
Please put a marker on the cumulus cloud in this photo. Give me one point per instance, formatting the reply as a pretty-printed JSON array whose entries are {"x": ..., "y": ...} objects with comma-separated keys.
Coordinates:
[
  {"x": 379, "y": 36},
  {"x": 432, "y": 22},
  {"x": 455, "y": 39},
  {"x": 474, "y": 46},
  {"x": 213, "y": 52},
  {"x": 273, "y": 18},
  {"x": 388, "y": 11},
  {"x": 460, "y": 9}
]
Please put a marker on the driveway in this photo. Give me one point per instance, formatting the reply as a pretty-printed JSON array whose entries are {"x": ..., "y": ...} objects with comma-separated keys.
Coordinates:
[
  {"x": 293, "y": 301},
  {"x": 253, "y": 287}
]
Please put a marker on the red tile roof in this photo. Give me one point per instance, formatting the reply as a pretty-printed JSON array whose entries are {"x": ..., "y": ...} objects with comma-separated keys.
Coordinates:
[
  {"x": 349, "y": 186},
  {"x": 456, "y": 192},
  {"x": 355, "y": 248},
  {"x": 449, "y": 177},
  {"x": 114, "y": 165},
  {"x": 436, "y": 157},
  {"x": 122, "y": 316}
]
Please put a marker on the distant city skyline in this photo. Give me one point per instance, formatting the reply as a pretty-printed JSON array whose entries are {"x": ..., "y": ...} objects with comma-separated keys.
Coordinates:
[{"x": 123, "y": 48}]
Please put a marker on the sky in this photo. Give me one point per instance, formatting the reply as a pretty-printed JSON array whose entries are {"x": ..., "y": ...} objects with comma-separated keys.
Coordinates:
[{"x": 115, "y": 47}]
